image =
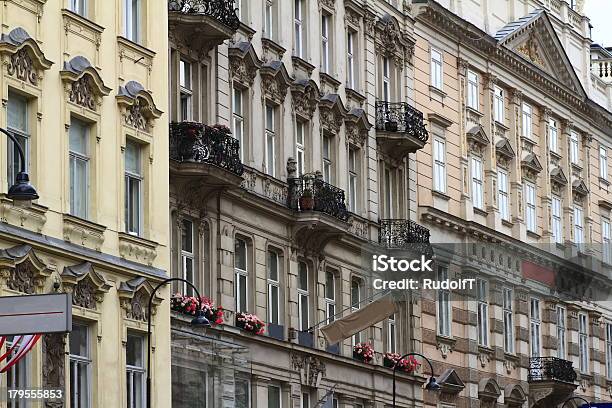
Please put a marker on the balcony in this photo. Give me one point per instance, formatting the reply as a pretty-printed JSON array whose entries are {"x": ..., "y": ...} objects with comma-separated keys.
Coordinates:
[
  {"x": 404, "y": 234},
  {"x": 202, "y": 24},
  {"x": 400, "y": 129},
  {"x": 320, "y": 210},
  {"x": 551, "y": 380},
  {"x": 207, "y": 157}
]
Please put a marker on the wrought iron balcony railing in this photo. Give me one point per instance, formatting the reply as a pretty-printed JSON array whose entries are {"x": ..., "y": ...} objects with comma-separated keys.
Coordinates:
[
  {"x": 311, "y": 193},
  {"x": 404, "y": 234},
  {"x": 196, "y": 142},
  {"x": 402, "y": 118},
  {"x": 551, "y": 369},
  {"x": 221, "y": 10}
]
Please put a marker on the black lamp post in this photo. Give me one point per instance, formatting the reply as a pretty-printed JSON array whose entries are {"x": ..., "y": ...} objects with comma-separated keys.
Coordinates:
[
  {"x": 432, "y": 384},
  {"x": 22, "y": 190},
  {"x": 199, "y": 320},
  {"x": 573, "y": 398}
]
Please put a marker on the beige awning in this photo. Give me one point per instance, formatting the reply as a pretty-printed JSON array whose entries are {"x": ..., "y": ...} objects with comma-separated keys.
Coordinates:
[{"x": 359, "y": 320}]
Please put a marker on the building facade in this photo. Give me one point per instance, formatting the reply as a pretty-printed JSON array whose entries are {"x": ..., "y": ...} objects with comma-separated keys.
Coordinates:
[{"x": 83, "y": 89}]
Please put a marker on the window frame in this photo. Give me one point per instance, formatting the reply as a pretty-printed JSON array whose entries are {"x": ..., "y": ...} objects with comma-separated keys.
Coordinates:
[
  {"x": 132, "y": 370},
  {"x": 75, "y": 361},
  {"x": 439, "y": 162},
  {"x": 574, "y": 148},
  {"x": 330, "y": 303},
  {"x": 238, "y": 119},
  {"x": 473, "y": 100},
  {"x": 392, "y": 334},
  {"x": 350, "y": 59},
  {"x": 609, "y": 350},
  {"x": 527, "y": 120},
  {"x": 139, "y": 179},
  {"x": 603, "y": 163},
  {"x": 355, "y": 305},
  {"x": 75, "y": 157},
  {"x": 270, "y": 140},
  {"x": 578, "y": 224},
  {"x": 386, "y": 79},
  {"x": 531, "y": 213},
  {"x": 605, "y": 240},
  {"x": 188, "y": 256},
  {"x": 274, "y": 286},
  {"x": 131, "y": 32},
  {"x": 303, "y": 293},
  {"x": 300, "y": 147},
  {"x": 444, "y": 310},
  {"x": 553, "y": 135},
  {"x": 483, "y": 312},
  {"x": 583, "y": 343},
  {"x": 561, "y": 332},
  {"x": 22, "y": 135},
  {"x": 353, "y": 179},
  {"x": 535, "y": 327},
  {"x": 499, "y": 113},
  {"x": 478, "y": 199},
  {"x": 556, "y": 210},
  {"x": 437, "y": 68},
  {"x": 298, "y": 27},
  {"x": 268, "y": 28},
  {"x": 325, "y": 42},
  {"x": 241, "y": 276},
  {"x": 503, "y": 193},
  {"x": 508, "y": 319},
  {"x": 327, "y": 150}
]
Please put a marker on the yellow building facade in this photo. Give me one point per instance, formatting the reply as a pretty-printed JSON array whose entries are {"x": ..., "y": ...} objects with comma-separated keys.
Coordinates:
[{"x": 83, "y": 87}]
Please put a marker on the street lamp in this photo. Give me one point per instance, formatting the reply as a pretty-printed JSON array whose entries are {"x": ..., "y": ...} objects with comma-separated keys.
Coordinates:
[
  {"x": 432, "y": 384},
  {"x": 573, "y": 398},
  {"x": 22, "y": 191},
  {"x": 198, "y": 320}
]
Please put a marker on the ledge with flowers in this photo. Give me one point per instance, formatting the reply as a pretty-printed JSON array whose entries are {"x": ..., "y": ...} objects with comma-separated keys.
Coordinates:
[{"x": 364, "y": 352}]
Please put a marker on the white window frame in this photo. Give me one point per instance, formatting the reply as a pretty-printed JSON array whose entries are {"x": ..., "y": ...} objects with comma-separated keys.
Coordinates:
[
  {"x": 472, "y": 90},
  {"x": 535, "y": 327},
  {"x": 355, "y": 304},
  {"x": 268, "y": 31},
  {"x": 298, "y": 27},
  {"x": 238, "y": 118},
  {"x": 300, "y": 146},
  {"x": 437, "y": 70},
  {"x": 304, "y": 293},
  {"x": 477, "y": 183},
  {"x": 17, "y": 377},
  {"x": 83, "y": 158},
  {"x": 350, "y": 59},
  {"x": 508, "y": 314},
  {"x": 270, "y": 142},
  {"x": 503, "y": 194},
  {"x": 77, "y": 363},
  {"x": 79, "y": 7},
  {"x": 527, "y": 120},
  {"x": 391, "y": 334},
  {"x": 583, "y": 342},
  {"x": 138, "y": 179},
  {"x": 389, "y": 192},
  {"x": 578, "y": 225},
  {"x": 574, "y": 148},
  {"x": 530, "y": 207},
  {"x": 553, "y": 135},
  {"x": 498, "y": 104},
  {"x": 22, "y": 135},
  {"x": 606, "y": 253},
  {"x": 132, "y": 372},
  {"x": 330, "y": 303},
  {"x": 242, "y": 277},
  {"x": 325, "y": 40},
  {"x": 353, "y": 179},
  {"x": 386, "y": 79},
  {"x": 609, "y": 350},
  {"x": 483, "y": 313},
  {"x": 439, "y": 156},
  {"x": 274, "y": 286},
  {"x": 186, "y": 89},
  {"x": 444, "y": 312},
  {"x": 603, "y": 163},
  {"x": 557, "y": 219},
  {"x": 328, "y": 163},
  {"x": 280, "y": 394},
  {"x": 187, "y": 256},
  {"x": 561, "y": 332},
  {"x": 132, "y": 31}
]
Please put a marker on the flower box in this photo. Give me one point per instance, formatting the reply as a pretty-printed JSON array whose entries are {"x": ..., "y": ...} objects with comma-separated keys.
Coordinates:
[
  {"x": 250, "y": 323},
  {"x": 188, "y": 305},
  {"x": 408, "y": 365},
  {"x": 363, "y": 352}
]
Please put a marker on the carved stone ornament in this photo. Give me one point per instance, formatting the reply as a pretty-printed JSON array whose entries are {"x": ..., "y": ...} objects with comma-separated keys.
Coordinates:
[
  {"x": 450, "y": 382},
  {"x": 477, "y": 139},
  {"x": 134, "y": 298},
  {"x": 83, "y": 82},
  {"x": 531, "y": 166},
  {"x": 392, "y": 42},
  {"x": 275, "y": 81},
  {"x": 488, "y": 390},
  {"x": 137, "y": 106},
  {"x": 54, "y": 366},
  {"x": 23, "y": 58},
  {"x": 21, "y": 270},
  {"x": 356, "y": 126},
  {"x": 530, "y": 49},
  {"x": 332, "y": 113},
  {"x": 505, "y": 153},
  {"x": 310, "y": 368},
  {"x": 514, "y": 395},
  {"x": 243, "y": 63},
  {"x": 304, "y": 97},
  {"x": 86, "y": 285}
]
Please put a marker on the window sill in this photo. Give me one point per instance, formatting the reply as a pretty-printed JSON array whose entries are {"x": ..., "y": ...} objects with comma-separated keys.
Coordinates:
[
  {"x": 474, "y": 111},
  {"x": 137, "y": 249},
  {"x": 437, "y": 91},
  {"x": 328, "y": 79},
  {"x": 136, "y": 47},
  {"x": 555, "y": 155},
  {"x": 576, "y": 166},
  {"x": 301, "y": 64},
  {"x": 83, "y": 232},
  {"x": 275, "y": 47},
  {"x": 501, "y": 126},
  {"x": 85, "y": 21},
  {"x": 604, "y": 181},
  {"x": 480, "y": 211},
  {"x": 534, "y": 235},
  {"x": 352, "y": 93},
  {"x": 440, "y": 194},
  {"x": 507, "y": 223},
  {"x": 511, "y": 356},
  {"x": 528, "y": 141}
]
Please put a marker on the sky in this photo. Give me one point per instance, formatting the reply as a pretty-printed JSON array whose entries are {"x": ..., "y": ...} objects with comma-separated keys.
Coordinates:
[{"x": 600, "y": 14}]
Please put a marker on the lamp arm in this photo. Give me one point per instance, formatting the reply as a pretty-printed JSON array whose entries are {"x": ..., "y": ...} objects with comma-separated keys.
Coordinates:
[
  {"x": 149, "y": 308},
  {"x": 19, "y": 148}
]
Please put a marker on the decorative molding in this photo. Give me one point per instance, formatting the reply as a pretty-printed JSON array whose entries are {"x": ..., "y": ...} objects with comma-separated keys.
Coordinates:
[
  {"x": 531, "y": 166},
  {"x": 82, "y": 232},
  {"x": 310, "y": 368},
  {"x": 505, "y": 153},
  {"x": 32, "y": 218},
  {"x": 86, "y": 285},
  {"x": 305, "y": 97},
  {"x": 21, "y": 270},
  {"x": 84, "y": 85},
  {"x": 331, "y": 113},
  {"x": 275, "y": 81},
  {"x": 392, "y": 42},
  {"x": 137, "y": 107},
  {"x": 477, "y": 139},
  {"x": 356, "y": 126},
  {"x": 22, "y": 57},
  {"x": 137, "y": 249},
  {"x": 134, "y": 298},
  {"x": 243, "y": 63},
  {"x": 54, "y": 366}
]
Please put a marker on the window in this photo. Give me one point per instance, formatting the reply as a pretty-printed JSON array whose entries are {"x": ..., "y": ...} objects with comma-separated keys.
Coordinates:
[
  {"x": 305, "y": 400},
  {"x": 508, "y": 321},
  {"x": 131, "y": 20},
  {"x": 527, "y": 124},
  {"x": 603, "y": 163},
  {"x": 530, "y": 207},
  {"x": 242, "y": 272},
  {"x": 299, "y": 36},
  {"x": 185, "y": 85},
  {"x": 17, "y": 376},
  {"x": 498, "y": 104},
  {"x": 133, "y": 188},
  {"x": 535, "y": 324},
  {"x": 273, "y": 288},
  {"x": 355, "y": 301},
  {"x": 330, "y": 296},
  {"x": 242, "y": 391},
  {"x": 557, "y": 226},
  {"x": 578, "y": 225},
  {"x": 270, "y": 141},
  {"x": 325, "y": 43},
  {"x": 583, "y": 339},
  {"x": 303, "y": 296},
  {"x": 444, "y": 305},
  {"x": 439, "y": 147},
  {"x": 80, "y": 367},
  {"x": 391, "y": 335},
  {"x": 574, "y": 155},
  {"x": 327, "y": 158},
  {"x": 609, "y": 350},
  {"x": 436, "y": 69},
  {"x": 386, "y": 80},
  {"x": 483, "y": 313},
  {"x": 472, "y": 91},
  {"x": 552, "y": 135},
  {"x": 79, "y": 167},
  {"x": 17, "y": 108},
  {"x": 353, "y": 181},
  {"x": 268, "y": 19},
  {"x": 135, "y": 371},
  {"x": 187, "y": 256},
  {"x": 238, "y": 120},
  {"x": 503, "y": 194},
  {"x": 274, "y": 396},
  {"x": 79, "y": 7},
  {"x": 388, "y": 194},
  {"x": 350, "y": 59},
  {"x": 561, "y": 318},
  {"x": 605, "y": 241},
  {"x": 477, "y": 190},
  {"x": 300, "y": 150}
]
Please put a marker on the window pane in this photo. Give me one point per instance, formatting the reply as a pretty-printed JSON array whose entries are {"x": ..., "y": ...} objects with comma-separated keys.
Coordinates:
[
  {"x": 187, "y": 236},
  {"x": 302, "y": 276},
  {"x": 304, "y": 312},
  {"x": 274, "y": 397},
  {"x": 241, "y": 255},
  {"x": 243, "y": 292},
  {"x": 272, "y": 266},
  {"x": 78, "y": 340},
  {"x": 241, "y": 393},
  {"x": 132, "y": 158},
  {"x": 17, "y": 112},
  {"x": 185, "y": 74},
  {"x": 134, "y": 350},
  {"x": 329, "y": 285},
  {"x": 78, "y": 132},
  {"x": 273, "y": 304},
  {"x": 78, "y": 186}
]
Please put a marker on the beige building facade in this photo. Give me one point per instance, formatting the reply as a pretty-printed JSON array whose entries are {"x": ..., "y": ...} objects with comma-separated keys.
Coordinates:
[{"x": 83, "y": 89}]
